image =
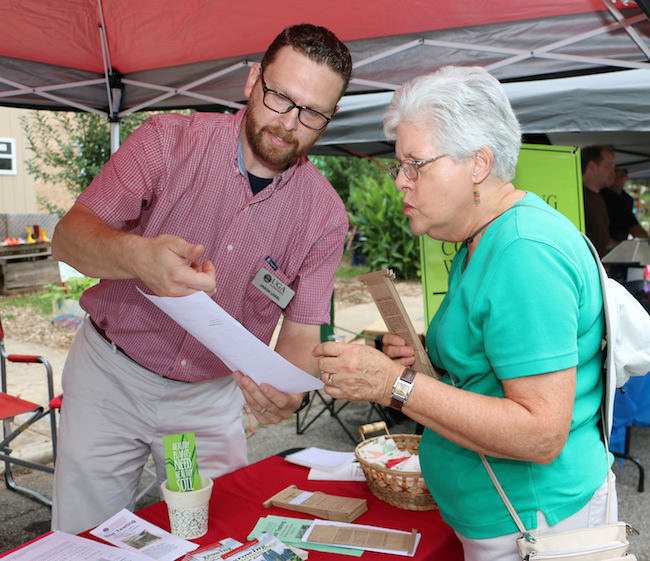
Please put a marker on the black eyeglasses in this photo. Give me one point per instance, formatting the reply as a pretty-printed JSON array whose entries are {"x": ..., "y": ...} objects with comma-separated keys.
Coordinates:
[
  {"x": 280, "y": 103},
  {"x": 410, "y": 167}
]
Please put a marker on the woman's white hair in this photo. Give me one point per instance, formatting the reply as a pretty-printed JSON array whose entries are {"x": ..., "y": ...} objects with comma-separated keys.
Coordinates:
[{"x": 465, "y": 109}]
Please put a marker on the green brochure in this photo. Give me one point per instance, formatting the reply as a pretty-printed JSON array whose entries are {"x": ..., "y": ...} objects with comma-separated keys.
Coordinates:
[
  {"x": 290, "y": 531},
  {"x": 180, "y": 461}
]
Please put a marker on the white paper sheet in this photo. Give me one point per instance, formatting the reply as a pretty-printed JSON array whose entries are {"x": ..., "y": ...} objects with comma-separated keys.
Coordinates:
[
  {"x": 348, "y": 472},
  {"x": 320, "y": 458},
  {"x": 128, "y": 531},
  {"x": 59, "y": 546},
  {"x": 239, "y": 349}
]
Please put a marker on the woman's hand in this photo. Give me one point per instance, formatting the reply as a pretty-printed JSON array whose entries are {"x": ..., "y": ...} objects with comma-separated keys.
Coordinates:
[
  {"x": 356, "y": 372},
  {"x": 396, "y": 348}
]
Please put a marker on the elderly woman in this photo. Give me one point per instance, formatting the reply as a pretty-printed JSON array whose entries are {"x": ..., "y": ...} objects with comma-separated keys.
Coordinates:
[{"x": 516, "y": 339}]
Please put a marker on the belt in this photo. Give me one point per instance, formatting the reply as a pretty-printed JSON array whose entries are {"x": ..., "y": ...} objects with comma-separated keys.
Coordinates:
[{"x": 106, "y": 338}]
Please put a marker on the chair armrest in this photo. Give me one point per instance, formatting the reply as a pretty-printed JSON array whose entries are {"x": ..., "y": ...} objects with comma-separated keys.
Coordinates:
[{"x": 34, "y": 359}]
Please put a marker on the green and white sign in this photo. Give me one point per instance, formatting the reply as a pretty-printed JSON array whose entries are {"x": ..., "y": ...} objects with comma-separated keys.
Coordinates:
[{"x": 551, "y": 172}]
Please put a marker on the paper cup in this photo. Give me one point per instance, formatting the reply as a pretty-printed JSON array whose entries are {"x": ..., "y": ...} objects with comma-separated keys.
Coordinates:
[{"x": 188, "y": 511}]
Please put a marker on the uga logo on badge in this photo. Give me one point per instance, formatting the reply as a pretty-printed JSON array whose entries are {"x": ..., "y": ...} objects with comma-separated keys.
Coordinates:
[{"x": 273, "y": 287}]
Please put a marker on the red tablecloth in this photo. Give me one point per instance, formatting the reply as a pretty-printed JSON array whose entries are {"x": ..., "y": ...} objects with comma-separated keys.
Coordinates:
[{"x": 236, "y": 505}]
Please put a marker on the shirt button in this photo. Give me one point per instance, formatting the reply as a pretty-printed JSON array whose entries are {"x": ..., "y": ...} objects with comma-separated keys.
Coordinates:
[
  {"x": 183, "y": 362},
  {"x": 245, "y": 208},
  {"x": 229, "y": 248}
]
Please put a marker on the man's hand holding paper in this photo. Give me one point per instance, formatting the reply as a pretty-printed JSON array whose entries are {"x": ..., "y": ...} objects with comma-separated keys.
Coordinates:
[
  {"x": 269, "y": 405},
  {"x": 171, "y": 266}
]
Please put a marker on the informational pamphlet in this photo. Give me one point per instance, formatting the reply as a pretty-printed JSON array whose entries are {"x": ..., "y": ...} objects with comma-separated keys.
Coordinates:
[
  {"x": 348, "y": 472},
  {"x": 360, "y": 536},
  {"x": 266, "y": 547},
  {"x": 320, "y": 458},
  {"x": 290, "y": 531},
  {"x": 214, "y": 551},
  {"x": 128, "y": 531},
  {"x": 59, "y": 546},
  {"x": 180, "y": 462}
]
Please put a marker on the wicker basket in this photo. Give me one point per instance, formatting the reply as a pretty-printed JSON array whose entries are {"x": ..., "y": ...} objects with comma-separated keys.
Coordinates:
[{"x": 403, "y": 489}]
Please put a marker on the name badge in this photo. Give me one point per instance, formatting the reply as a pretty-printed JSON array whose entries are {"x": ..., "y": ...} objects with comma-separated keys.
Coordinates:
[{"x": 273, "y": 287}]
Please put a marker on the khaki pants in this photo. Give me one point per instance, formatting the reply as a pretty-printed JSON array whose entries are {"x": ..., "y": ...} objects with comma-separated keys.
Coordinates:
[{"x": 114, "y": 415}]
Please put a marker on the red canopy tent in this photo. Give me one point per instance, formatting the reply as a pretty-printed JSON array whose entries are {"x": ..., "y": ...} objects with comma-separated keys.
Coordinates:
[{"x": 116, "y": 56}]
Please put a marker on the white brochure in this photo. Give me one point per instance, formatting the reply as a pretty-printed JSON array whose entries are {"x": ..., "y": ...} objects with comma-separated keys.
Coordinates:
[
  {"x": 237, "y": 347},
  {"x": 129, "y": 531},
  {"x": 59, "y": 546}
]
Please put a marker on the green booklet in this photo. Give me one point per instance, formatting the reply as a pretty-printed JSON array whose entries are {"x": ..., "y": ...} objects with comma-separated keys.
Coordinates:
[{"x": 180, "y": 461}]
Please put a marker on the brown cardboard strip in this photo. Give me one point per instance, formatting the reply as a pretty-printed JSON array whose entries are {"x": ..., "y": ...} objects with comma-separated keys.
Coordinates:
[
  {"x": 387, "y": 299},
  {"x": 360, "y": 536},
  {"x": 318, "y": 504}
]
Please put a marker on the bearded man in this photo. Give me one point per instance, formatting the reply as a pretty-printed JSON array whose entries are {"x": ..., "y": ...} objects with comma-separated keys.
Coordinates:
[{"x": 208, "y": 202}]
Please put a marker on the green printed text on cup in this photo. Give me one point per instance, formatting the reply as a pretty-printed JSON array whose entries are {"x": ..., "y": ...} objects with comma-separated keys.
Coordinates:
[{"x": 180, "y": 461}]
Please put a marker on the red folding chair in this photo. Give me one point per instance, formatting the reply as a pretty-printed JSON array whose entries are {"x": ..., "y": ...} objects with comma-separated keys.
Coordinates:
[{"x": 12, "y": 406}]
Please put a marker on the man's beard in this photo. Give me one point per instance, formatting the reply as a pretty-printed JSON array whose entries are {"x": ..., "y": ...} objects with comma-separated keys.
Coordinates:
[{"x": 273, "y": 156}]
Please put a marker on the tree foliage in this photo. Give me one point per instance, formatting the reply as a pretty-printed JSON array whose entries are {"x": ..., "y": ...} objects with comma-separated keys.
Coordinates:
[
  {"x": 70, "y": 149},
  {"x": 342, "y": 171},
  {"x": 375, "y": 208}
]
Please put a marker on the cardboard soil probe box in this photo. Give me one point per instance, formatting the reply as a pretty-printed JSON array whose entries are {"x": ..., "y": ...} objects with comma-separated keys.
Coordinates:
[{"x": 316, "y": 503}]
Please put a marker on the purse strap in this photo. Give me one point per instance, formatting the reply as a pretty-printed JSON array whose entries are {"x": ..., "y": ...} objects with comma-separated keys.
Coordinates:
[{"x": 520, "y": 525}]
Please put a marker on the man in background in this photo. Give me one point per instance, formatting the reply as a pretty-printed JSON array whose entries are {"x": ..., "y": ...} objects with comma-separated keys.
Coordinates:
[
  {"x": 620, "y": 209},
  {"x": 598, "y": 164},
  {"x": 211, "y": 202}
]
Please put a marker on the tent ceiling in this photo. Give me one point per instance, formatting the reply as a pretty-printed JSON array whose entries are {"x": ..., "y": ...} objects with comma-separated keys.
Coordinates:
[
  {"x": 116, "y": 56},
  {"x": 162, "y": 33},
  {"x": 563, "y": 109}
]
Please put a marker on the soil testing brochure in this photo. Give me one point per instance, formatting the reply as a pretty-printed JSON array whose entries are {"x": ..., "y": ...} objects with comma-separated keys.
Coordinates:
[{"x": 128, "y": 531}]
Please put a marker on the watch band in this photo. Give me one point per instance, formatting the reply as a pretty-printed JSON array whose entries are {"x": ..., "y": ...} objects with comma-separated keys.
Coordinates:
[{"x": 402, "y": 388}]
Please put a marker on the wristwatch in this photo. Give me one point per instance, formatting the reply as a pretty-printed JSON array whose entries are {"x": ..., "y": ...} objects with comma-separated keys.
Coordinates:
[{"x": 402, "y": 389}]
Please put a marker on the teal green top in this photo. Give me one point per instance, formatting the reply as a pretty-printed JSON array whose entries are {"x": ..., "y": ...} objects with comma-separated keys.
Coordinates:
[{"x": 528, "y": 302}]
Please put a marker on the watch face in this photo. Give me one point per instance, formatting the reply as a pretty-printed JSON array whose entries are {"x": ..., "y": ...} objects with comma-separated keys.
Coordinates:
[{"x": 401, "y": 390}]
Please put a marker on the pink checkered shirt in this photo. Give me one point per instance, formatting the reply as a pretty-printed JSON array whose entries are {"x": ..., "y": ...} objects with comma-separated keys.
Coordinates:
[{"x": 181, "y": 175}]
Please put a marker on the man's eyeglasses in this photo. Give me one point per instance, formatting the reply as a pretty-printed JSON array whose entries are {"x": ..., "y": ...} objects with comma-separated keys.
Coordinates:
[
  {"x": 280, "y": 103},
  {"x": 410, "y": 167}
]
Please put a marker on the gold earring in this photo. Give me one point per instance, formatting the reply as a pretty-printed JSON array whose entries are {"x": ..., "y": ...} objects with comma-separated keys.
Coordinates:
[{"x": 477, "y": 196}]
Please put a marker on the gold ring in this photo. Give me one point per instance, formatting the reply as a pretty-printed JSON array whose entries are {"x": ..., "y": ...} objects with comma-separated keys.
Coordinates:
[
  {"x": 330, "y": 379},
  {"x": 263, "y": 410}
]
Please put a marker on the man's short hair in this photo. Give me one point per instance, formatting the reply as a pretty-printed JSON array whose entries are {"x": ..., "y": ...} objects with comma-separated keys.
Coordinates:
[
  {"x": 593, "y": 154},
  {"x": 318, "y": 44}
]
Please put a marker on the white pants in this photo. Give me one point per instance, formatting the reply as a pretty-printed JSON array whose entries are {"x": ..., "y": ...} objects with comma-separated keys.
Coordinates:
[
  {"x": 114, "y": 415},
  {"x": 504, "y": 548}
]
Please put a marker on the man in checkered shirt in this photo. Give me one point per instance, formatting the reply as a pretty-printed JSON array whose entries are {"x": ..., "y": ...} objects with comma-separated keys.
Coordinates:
[{"x": 209, "y": 202}]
